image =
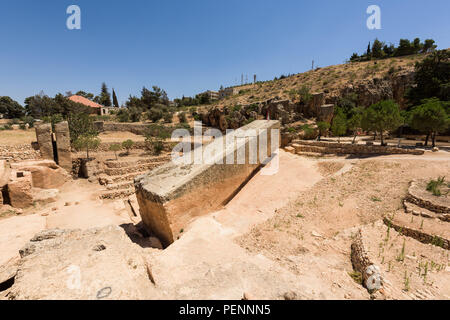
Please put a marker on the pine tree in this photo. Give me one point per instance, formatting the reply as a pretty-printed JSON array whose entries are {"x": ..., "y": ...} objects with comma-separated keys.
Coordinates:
[
  {"x": 105, "y": 97},
  {"x": 115, "y": 102}
]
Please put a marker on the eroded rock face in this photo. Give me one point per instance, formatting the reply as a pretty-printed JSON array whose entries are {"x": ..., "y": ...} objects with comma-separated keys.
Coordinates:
[{"x": 73, "y": 264}]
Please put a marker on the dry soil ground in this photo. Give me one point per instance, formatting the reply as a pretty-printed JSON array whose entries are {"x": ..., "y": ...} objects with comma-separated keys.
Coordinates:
[{"x": 289, "y": 233}]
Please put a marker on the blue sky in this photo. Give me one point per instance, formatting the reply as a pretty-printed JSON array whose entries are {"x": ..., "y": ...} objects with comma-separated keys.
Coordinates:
[{"x": 188, "y": 46}]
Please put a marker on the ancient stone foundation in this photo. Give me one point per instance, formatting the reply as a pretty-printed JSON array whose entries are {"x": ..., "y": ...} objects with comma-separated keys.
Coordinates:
[{"x": 171, "y": 196}]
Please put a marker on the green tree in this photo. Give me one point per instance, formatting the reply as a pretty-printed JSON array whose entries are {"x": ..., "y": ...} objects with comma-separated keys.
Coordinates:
[
  {"x": 128, "y": 144},
  {"x": 382, "y": 116},
  {"x": 115, "y": 101},
  {"x": 431, "y": 118},
  {"x": 428, "y": 46},
  {"x": 84, "y": 94},
  {"x": 182, "y": 117},
  {"x": 41, "y": 105},
  {"x": 87, "y": 141},
  {"x": 354, "y": 124},
  {"x": 404, "y": 48},
  {"x": 81, "y": 124},
  {"x": 355, "y": 57},
  {"x": 155, "y": 114},
  {"x": 417, "y": 45},
  {"x": 323, "y": 128},
  {"x": 11, "y": 109},
  {"x": 152, "y": 97},
  {"x": 377, "y": 49},
  {"x": 432, "y": 78},
  {"x": 115, "y": 147},
  {"x": 339, "y": 124},
  {"x": 105, "y": 96}
]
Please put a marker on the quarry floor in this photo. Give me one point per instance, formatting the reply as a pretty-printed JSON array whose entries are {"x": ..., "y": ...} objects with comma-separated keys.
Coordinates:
[{"x": 286, "y": 234}]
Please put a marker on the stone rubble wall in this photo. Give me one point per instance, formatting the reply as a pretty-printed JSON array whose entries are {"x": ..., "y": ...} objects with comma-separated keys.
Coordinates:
[
  {"x": 418, "y": 235},
  {"x": 418, "y": 196},
  {"x": 361, "y": 263},
  {"x": 19, "y": 153},
  {"x": 347, "y": 148},
  {"x": 136, "y": 128}
]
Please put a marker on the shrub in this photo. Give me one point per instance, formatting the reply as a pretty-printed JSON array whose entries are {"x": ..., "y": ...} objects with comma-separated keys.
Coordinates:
[
  {"x": 182, "y": 117},
  {"x": 128, "y": 144},
  {"x": 115, "y": 147},
  {"x": 434, "y": 186},
  {"x": 168, "y": 117},
  {"x": 88, "y": 142},
  {"x": 123, "y": 116}
]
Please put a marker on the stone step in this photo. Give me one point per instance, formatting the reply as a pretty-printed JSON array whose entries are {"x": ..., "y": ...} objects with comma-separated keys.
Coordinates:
[
  {"x": 416, "y": 210},
  {"x": 133, "y": 169},
  {"x": 316, "y": 154},
  {"x": 106, "y": 180},
  {"x": 124, "y": 164},
  {"x": 117, "y": 194},
  {"x": 120, "y": 186}
]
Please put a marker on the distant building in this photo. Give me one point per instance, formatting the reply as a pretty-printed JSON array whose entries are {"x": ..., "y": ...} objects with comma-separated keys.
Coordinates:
[
  {"x": 95, "y": 107},
  {"x": 212, "y": 95},
  {"x": 228, "y": 92}
]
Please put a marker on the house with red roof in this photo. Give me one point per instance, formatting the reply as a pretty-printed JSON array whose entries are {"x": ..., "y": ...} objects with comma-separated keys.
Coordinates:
[{"x": 95, "y": 107}]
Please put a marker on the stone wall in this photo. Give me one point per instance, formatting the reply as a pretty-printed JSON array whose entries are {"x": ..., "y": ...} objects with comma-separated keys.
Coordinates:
[
  {"x": 136, "y": 128},
  {"x": 418, "y": 195},
  {"x": 19, "y": 152},
  {"x": 418, "y": 235},
  {"x": 172, "y": 195},
  {"x": 370, "y": 273},
  {"x": 348, "y": 148}
]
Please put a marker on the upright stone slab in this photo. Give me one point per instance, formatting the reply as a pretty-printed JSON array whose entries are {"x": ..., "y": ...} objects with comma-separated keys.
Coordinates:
[
  {"x": 173, "y": 195},
  {"x": 45, "y": 140},
  {"x": 63, "y": 145}
]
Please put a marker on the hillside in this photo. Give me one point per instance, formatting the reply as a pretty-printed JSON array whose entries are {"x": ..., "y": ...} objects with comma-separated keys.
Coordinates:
[{"x": 330, "y": 80}]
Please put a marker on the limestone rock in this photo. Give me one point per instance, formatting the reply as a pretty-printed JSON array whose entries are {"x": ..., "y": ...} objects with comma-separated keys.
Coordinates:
[
  {"x": 46, "y": 174},
  {"x": 61, "y": 264},
  {"x": 20, "y": 193},
  {"x": 44, "y": 138},
  {"x": 63, "y": 145}
]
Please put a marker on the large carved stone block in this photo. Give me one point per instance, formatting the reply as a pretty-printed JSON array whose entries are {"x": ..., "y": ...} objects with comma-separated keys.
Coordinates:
[
  {"x": 44, "y": 138},
  {"x": 63, "y": 145},
  {"x": 171, "y": 196}
]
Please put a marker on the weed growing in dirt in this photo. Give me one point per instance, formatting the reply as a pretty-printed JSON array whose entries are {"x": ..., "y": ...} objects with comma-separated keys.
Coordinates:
[{"x": 434, "y": 186}]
